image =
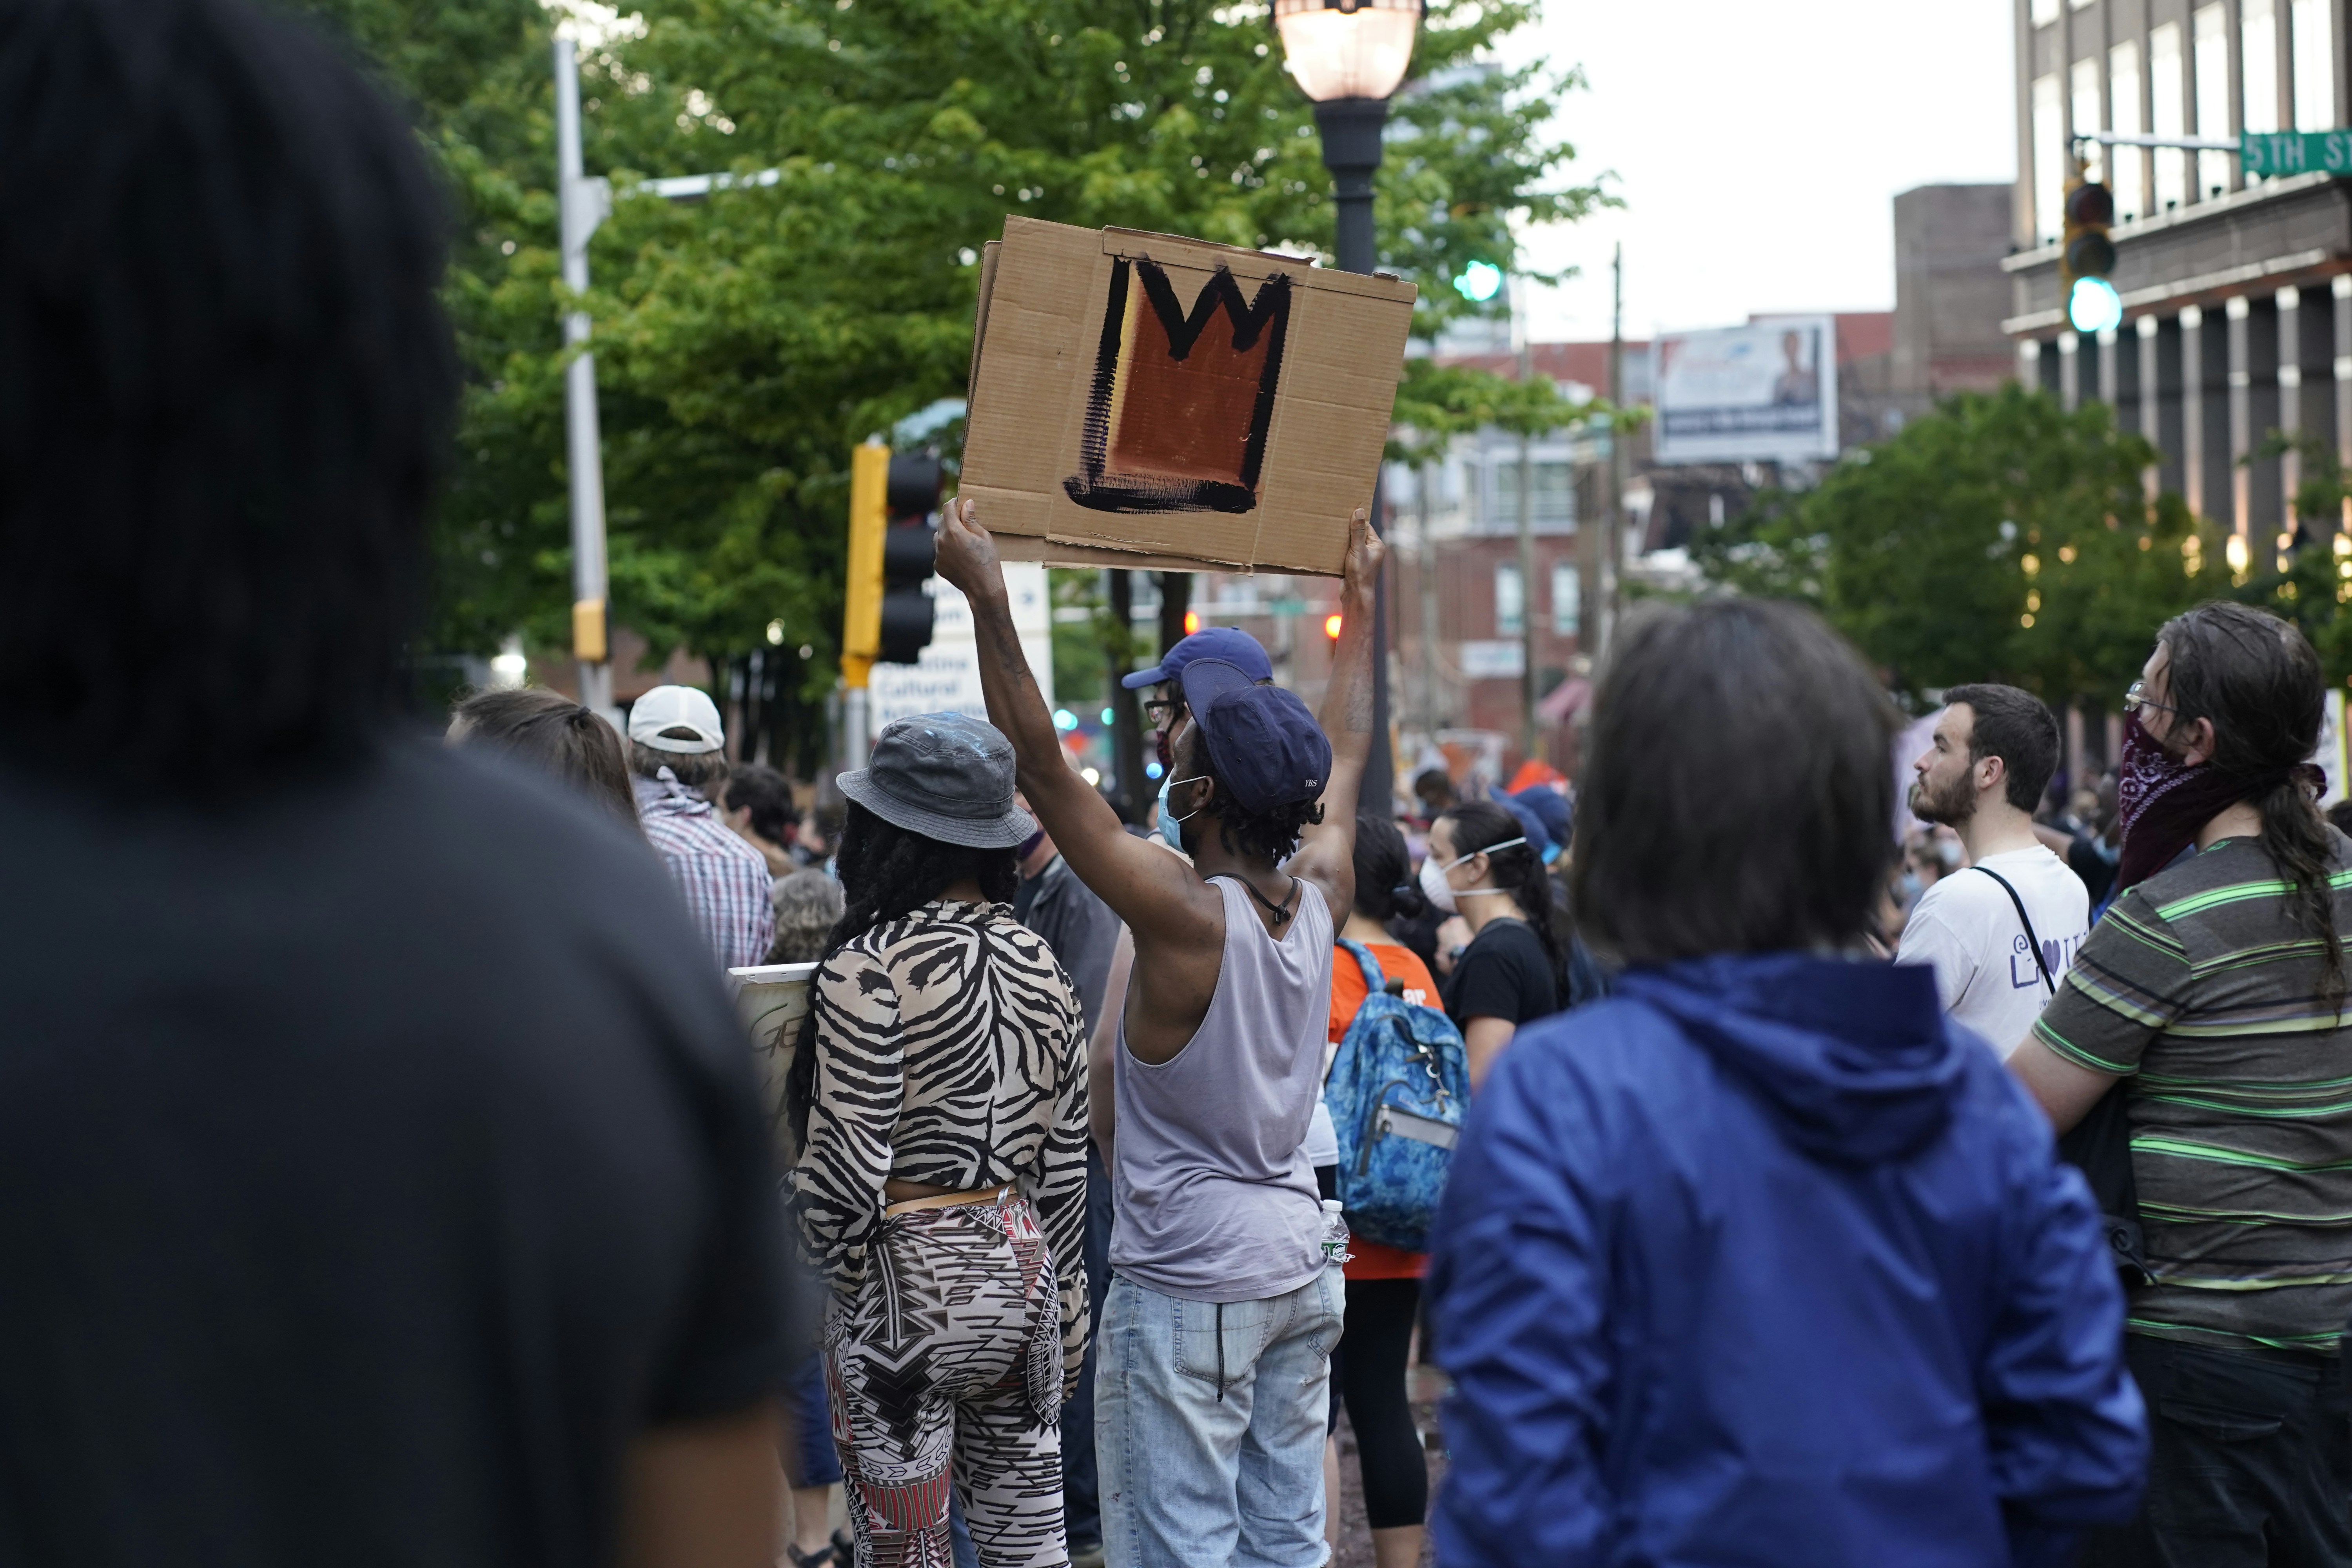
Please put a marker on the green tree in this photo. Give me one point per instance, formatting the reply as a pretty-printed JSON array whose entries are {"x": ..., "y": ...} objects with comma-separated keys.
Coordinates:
[
  {"x": 1996, "y": 539},
  {"x": 744, "y": 342}
]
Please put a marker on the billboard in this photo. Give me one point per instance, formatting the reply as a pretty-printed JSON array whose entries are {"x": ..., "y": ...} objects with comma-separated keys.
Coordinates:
[{"x": 1764, "y": 392}]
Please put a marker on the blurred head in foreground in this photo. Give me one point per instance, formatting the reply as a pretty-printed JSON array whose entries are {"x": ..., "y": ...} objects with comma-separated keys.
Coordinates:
[
  {"x": 548, "y": 731},
  {"x": 225, "y": 393},
  {"x": 1737, "y": 796}
]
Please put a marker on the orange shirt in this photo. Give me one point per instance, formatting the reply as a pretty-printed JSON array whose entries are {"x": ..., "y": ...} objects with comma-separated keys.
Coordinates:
[{"x": 1374, "y": 1259}]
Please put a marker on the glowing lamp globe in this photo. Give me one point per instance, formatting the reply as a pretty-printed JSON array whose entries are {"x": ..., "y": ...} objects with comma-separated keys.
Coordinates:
[
  {"x": 2095, "y": 306},
  {"x": 1346, "y": 49},
  {"x": 1480, "y": 282}
]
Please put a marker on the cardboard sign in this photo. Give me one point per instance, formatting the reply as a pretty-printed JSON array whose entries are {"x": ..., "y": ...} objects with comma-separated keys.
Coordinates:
[
  {"x": 771, "y": 999},
  {"x": 1143, "y": 401}
]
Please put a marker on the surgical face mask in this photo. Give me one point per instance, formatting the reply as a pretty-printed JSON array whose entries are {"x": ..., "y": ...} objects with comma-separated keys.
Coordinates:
[
  {"x": 1440, "y": 892},
  {"x": 1170, "y": 823}
]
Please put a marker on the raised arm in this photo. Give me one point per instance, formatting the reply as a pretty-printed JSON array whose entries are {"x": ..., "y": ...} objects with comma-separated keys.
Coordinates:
[
  {"x": 1153, "y": 892},
  {"x": 1327, "y": 853}
]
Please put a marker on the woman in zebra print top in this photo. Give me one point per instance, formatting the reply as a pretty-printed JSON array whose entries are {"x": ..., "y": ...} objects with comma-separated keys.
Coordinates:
[{"x": 940, "y": 1100}]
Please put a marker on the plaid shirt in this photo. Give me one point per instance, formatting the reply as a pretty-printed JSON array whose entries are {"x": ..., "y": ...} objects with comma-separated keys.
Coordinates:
[{"x": 725, "y": 880}]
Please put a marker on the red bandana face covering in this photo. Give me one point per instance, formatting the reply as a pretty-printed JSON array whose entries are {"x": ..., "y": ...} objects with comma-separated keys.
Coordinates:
[{"x": 2161, "y": 802}]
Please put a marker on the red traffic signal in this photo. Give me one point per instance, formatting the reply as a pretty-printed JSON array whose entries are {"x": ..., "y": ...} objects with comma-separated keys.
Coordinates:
[{"x": 2090, "y": 203}]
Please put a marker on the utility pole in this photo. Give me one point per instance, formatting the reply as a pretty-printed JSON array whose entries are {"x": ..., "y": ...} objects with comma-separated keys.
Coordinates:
[
  {"x": 1429, "y": 702},
  {"x": 1528, "y": 737},
  {"x": 1613, "y": 554},
  {"x": 580, "y": 205}
]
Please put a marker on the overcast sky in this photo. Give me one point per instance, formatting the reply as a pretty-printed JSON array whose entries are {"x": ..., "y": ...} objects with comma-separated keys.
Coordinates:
[{"x": 1757, "y": 145}]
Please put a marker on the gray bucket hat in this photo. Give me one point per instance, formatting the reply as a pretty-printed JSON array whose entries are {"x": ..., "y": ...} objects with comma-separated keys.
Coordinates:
[{"x": 945, "y": 776}]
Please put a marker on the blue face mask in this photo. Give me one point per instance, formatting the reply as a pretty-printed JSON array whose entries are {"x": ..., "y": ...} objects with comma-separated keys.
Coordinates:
[{"x": 1170, "y": 823}]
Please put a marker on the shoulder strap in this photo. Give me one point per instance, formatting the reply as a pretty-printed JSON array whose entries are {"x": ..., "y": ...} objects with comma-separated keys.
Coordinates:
[
  {"x": 2033, "y": 940},
  {"x": 1374, "y": 981}
]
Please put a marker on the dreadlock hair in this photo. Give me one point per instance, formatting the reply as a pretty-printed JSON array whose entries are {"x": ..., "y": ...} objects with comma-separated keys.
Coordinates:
[
  {"x": 226, "y": 389},
  {"x": 554, "y": 735},
  {"x": 2255, "y": 678},
  {"x": 888, "y": 872},
  {"x": 1479, "y": 827},
  {"x": 1273, "y": 832}
]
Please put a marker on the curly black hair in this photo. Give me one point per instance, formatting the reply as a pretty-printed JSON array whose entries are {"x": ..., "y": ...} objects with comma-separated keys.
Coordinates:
[{"x": 888, "y": 872}]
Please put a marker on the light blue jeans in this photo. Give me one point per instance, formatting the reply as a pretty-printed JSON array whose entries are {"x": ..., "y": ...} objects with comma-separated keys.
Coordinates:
[{"x": 1213, "y": 1460}]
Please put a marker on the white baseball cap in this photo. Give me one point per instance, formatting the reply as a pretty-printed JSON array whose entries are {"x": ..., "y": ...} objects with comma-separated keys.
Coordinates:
[{"x": 676, "y": 707}]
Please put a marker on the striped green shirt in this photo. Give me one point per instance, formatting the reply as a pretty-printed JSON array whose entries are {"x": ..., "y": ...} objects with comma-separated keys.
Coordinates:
[{"x": 2199, "y": 986}]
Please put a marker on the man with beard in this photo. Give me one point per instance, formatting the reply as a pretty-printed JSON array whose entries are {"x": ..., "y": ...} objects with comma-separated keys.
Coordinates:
[{"x": 2001, "y": 932}]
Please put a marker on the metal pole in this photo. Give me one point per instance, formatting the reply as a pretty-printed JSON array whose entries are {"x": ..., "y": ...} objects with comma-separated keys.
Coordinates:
[
  {"x": 581, "y": 206},
  {"x": 1428, "y": 560},
  {"x": 1613, "y": 556},
  {"x": 1351, "y": 150},
  {"x": 1530, "y": 740}
]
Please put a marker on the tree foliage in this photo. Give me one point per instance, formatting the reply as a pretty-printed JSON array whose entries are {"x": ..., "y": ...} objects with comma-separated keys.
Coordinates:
[
  {"x": 744, "y": 342},
  {"x": 1996, "y": 539}
]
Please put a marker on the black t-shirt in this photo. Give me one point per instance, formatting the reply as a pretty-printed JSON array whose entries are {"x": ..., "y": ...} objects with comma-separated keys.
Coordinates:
[
  {"x": 1503, "y": 973},
  {"x": 375, "y": 1163}
]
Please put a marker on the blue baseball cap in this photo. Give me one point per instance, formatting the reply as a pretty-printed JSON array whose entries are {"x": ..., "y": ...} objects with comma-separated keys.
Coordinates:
[
  {"x": 1265, "y": 746},
  {"x": 1232, "y": 644}
]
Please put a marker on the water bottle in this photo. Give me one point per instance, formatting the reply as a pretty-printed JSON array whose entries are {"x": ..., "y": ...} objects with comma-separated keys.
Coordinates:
[{"x": 1335, "y": 1234}]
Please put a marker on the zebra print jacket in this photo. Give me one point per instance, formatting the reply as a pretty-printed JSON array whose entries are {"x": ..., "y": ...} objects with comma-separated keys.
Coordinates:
[{"x": 950, "y": 1050}]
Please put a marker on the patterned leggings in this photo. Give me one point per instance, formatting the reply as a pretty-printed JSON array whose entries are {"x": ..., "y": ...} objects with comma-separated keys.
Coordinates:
[{"x": 950, "y": 1357}]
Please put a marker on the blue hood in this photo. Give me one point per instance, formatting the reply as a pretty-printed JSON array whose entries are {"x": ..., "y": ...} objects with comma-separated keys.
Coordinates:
[{"x": 1852, "y": 1056}]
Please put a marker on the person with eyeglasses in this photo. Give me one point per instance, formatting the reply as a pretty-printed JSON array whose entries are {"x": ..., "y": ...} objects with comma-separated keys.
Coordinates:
[{"x": 2205, "y": 1024}]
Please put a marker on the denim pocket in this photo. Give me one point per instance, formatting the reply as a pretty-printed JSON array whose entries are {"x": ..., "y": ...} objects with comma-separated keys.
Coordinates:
[
  {"x": 1218, "y": 1342},
  {"x": 2220, "y": 1426}
]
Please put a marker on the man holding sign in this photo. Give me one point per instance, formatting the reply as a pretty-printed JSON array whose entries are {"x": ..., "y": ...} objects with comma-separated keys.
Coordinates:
[{"x": 1214, "y": 1361}]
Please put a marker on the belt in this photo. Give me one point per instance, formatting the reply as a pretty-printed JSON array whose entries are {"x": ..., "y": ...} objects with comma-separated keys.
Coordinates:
[{"x": 948, "y": 1200}]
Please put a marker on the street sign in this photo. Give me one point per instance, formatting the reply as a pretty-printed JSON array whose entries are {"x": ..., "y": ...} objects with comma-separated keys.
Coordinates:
[{"x": 2295, "y": 152}]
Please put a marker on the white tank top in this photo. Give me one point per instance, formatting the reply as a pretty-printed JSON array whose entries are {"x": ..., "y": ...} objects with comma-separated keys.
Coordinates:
[{"x": 1216, "y": 1199}]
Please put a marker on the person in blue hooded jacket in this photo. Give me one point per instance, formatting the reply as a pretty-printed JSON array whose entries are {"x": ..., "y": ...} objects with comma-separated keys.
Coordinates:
[{"x": 1762, "y": 1260}]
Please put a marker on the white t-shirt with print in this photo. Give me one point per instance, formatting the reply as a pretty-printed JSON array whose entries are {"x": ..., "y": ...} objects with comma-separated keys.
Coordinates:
[{"x": 1966, "y": 927}]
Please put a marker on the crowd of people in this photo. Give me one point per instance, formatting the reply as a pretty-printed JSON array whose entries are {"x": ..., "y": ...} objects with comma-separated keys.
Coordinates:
[{"x": 406, "y": 1192}]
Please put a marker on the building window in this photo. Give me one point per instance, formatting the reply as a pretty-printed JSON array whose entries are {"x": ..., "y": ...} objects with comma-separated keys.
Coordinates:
[
  {"x": 1510, "y": 602},
  {"x": 2314, "y": 65},
  {"x": 2212, "y": 66},
  {"x": 1566, "y": 598},
  {"x": 1551, "y": 492},
  {"x": 2122, "y": 110},
  {"x": 2087, "y": 116},
  {"x": 2044, "y": 12},
  {"x": 2258, "y": 40},
  {"x": 2169, "y": 104},
  {"x": 2049, "y": 161}
]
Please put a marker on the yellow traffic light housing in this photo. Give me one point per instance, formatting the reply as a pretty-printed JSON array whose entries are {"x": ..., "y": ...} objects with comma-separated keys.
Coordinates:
[{"x": 861, "y": 620}]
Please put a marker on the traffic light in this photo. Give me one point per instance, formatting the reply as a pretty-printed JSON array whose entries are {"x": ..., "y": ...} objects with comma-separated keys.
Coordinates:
[
  {"x": 2085, "y": 257},
  {"x": 908, "y": 549},
  {"x": 886, "y": 615}
]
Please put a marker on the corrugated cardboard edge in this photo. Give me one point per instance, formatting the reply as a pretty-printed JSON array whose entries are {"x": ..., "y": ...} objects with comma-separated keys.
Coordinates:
[
  {"x": 1091, "y": 550},
  {"x": 980, "y": 318}
]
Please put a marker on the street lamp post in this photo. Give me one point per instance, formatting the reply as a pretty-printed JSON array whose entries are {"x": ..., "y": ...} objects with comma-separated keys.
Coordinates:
[
  {"x": 581, "y": 203},
  {"x": 1348, "y": 57}
]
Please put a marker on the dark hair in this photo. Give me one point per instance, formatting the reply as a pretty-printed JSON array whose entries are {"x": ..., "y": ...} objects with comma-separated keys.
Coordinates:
[
  {"x": 226, "y": 389},
  {"x": 1477, "y": 827},
  {"x": 1736, "y": 795},
  {"x": 2340, "y": 815},
  {"x": 808, "y": 903},
  {"x": 769, "y": 794},
  {"x": 2255, "y": 678},
  {"x": 1433, "y": 786},
  {"x": 554, "y": 735},
  {"x": 2017, "y": 727},
  {"x": 887, "y": 872},
  {"x": 1273, "y": 832},
  {"x": 1384, "y": 885},
  {"x": 700, "y": 771}
]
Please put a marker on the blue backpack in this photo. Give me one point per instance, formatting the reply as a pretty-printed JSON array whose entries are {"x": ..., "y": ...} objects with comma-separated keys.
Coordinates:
[{"x": 1396, "y": 1091}]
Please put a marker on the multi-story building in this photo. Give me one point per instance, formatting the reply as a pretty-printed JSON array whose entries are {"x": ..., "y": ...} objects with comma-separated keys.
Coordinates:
[{"x": 2237, "y": 294}]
